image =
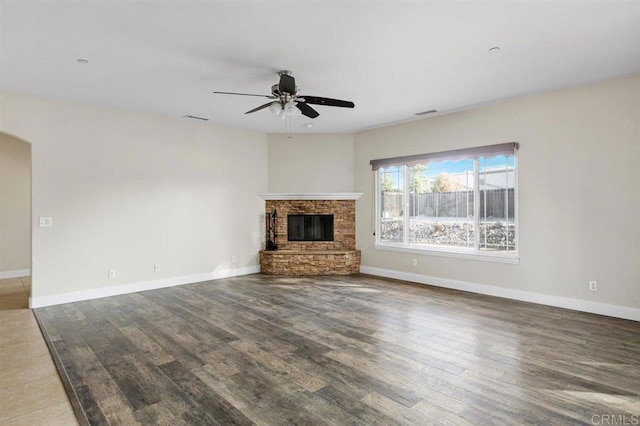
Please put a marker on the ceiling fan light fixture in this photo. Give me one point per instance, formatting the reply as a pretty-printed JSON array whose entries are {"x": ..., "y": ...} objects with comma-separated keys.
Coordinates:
[
  {"x": 275, "y": 108},
  {"x": 291, "y": 109},
  {"x": 282, "y": 114}
]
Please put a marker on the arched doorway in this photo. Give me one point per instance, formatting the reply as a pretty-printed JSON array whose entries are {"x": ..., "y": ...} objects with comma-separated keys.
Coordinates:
[
  {"x": 15, "y": 222},
  {"x": 27, "y": 364}
]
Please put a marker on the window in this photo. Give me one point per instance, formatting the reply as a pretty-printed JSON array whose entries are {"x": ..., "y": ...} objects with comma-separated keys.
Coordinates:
[{"x": 460, "y": 202}]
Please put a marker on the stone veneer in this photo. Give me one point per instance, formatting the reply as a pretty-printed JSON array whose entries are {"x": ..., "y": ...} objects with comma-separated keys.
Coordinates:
[
  {"x": 344, "y": 222},
  {"x": 310, "y": 262},
  {"x": 337, "y": 257}
]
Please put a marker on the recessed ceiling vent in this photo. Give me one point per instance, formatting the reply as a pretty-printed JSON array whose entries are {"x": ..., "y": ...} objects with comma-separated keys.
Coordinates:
[
  {"x": 431, "y": 111},
  {"x": 193, "y": 117}
]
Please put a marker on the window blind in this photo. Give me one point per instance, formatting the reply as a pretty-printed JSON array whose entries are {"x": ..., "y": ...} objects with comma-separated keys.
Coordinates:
[{"x": 456, "y": 154}]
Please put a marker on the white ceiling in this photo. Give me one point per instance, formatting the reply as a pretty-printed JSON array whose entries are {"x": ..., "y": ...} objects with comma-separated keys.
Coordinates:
[{"x": 392, "y": 58}]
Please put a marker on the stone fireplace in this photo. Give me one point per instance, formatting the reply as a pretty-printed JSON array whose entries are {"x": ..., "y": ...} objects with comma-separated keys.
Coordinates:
[{"x": 317, "y": 254}]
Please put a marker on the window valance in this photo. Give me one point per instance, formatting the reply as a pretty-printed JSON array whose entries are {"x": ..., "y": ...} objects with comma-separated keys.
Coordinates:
[{"x": 456, "y": 154}]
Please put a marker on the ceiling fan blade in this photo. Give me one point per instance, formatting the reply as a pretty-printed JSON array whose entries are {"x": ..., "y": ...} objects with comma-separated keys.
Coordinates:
[
  {"x": 307, "y": 110},
  {"x": 245, "y": 94},
  {"x": 268, "y": 104},
  {"x": 317, "y": 100},
  {"x": 287, "y": 84}
]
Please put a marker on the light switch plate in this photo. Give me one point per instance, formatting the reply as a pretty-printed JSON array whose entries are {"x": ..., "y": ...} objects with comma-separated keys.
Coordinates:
[{"x": 46, "y": 222}]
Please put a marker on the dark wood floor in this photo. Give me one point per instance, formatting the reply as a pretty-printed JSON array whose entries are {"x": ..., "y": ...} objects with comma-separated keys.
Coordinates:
[{"x": 340, "y": 350}]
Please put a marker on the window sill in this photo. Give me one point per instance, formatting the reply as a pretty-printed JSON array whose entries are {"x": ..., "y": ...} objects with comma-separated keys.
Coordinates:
[{"x": 513, "y": 259}]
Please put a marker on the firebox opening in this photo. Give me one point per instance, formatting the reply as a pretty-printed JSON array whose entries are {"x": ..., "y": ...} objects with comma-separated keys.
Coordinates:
[{"x": 310, "y": 227}]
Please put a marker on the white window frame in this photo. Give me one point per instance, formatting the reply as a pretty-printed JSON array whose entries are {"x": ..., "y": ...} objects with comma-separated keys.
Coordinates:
[{"x": 511, "y": 257}]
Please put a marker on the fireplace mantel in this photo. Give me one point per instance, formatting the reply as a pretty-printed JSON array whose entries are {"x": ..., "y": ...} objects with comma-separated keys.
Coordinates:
[{"x": 311, "y": 196}]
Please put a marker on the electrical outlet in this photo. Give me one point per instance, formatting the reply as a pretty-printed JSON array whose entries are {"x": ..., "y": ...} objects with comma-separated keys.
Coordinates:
[
  {"x": 414, "y": 263},
  {"x": 156, "y": 267},
  {"x": 112, "y": 273},
  {"x": 593, "y": 285},
  {"x": 234, "y": 259}
]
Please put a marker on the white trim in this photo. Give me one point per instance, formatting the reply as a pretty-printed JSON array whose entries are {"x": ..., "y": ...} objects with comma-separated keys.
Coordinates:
[
  {"x": 508, "y": 293},
  {"x": 18, "y": 273},
  {"x": 476, "y": 205},
  {"x": 498, "y": 258},
  {"x": 311, "y": 196},
  {"x": 516, "y": 209},
  {"x": 97, "y": 293}
]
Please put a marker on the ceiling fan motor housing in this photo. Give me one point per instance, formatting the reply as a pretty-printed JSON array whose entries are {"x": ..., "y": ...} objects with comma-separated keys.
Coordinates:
[{"x": 284, "y": 97}]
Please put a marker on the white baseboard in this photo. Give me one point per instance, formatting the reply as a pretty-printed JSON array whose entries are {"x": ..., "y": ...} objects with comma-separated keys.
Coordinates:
[
  {"x": 19, "y": 273},
  {"x": 97, "y": 293},
  {"x": 508, "y": 293}
]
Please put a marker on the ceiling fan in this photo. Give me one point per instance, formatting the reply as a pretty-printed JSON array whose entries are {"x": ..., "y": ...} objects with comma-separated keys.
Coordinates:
[{"x": 287, "y": 101}]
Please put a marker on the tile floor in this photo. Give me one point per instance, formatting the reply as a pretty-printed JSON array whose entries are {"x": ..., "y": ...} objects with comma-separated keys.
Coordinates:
[{"x": 31, "y": 392}]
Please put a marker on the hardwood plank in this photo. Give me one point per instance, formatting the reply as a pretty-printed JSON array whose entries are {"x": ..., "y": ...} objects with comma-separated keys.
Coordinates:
[
  {"x": 421, "y": 413},
  {"x": 261, "y": 396},
  {"x": 346, "y": 402},
  {"x": 138, "y": 392},
  {"x": 358, "y": 383},
  {"x": 158, "y": 414},
  {"x": 307, "y": 381},
  {"x": 219, "y": 410},
  {"x": 274, "y": 350},
  {"x": 176, "y": 399}
]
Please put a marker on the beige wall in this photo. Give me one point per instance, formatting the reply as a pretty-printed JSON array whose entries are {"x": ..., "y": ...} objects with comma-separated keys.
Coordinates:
[
  {"x": 15, "y": 204},
  {"x": 311, "y": 163},
  {"x": 128, "y": 190},
  {"x": 579, "y": 168}
]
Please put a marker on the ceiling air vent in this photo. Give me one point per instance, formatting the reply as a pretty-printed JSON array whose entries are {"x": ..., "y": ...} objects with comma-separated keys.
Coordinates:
[{"x": 431, "y": 111}]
